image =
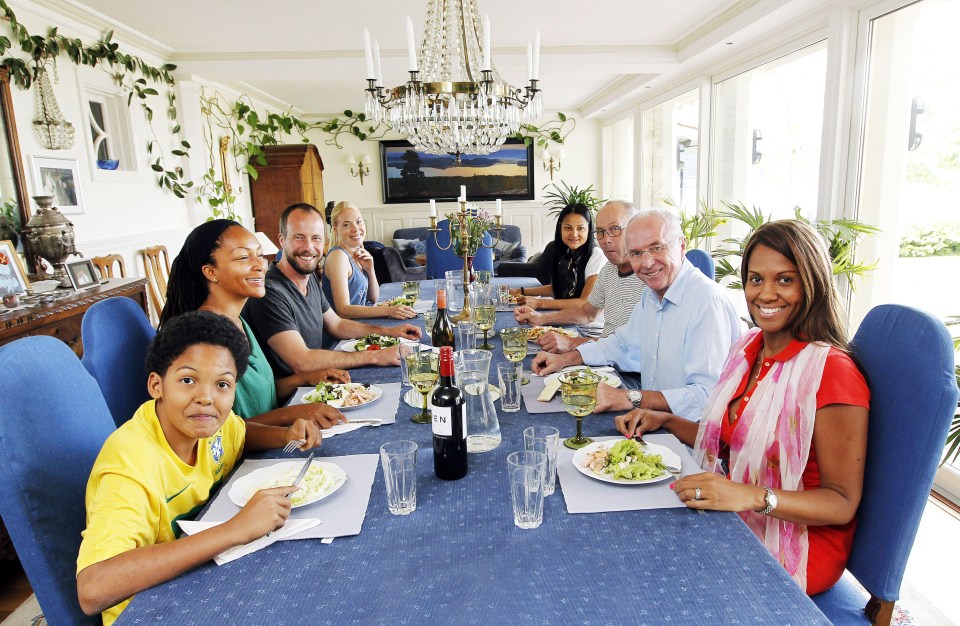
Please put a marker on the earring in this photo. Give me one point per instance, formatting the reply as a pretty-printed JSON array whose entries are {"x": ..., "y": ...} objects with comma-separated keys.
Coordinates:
[{"x": 216, "y": 280}]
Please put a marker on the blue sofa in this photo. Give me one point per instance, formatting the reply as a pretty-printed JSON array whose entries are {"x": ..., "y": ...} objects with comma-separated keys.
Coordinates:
[{"x": 508, "y": 247}]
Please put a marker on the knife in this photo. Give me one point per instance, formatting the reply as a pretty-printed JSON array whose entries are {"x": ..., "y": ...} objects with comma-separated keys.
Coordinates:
[{"x": 303, "y": 472}]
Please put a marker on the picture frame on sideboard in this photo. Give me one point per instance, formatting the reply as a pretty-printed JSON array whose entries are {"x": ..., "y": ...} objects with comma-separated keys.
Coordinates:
[{"x": 83, "y": 274}]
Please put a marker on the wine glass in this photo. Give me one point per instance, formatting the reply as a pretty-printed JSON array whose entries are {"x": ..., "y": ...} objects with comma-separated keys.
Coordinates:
[
  {"x": 411, "y": 289},
  {"x": 423, "y": 369},
  {"x": 484, "y": 312},
  {"x": 515, "y": 347},
  {"x": 578, "y": 391}
]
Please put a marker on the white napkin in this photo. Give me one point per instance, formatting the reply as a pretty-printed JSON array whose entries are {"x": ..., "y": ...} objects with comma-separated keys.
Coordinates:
[
  {"x": 291, "y": 528},
  {"x": 422, "y": 305},
  {"x": 339, "y": 429}
]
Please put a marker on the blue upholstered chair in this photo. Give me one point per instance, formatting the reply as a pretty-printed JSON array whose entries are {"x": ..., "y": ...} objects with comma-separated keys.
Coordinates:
[
  {"x": 116, "y": 335},
  {"x": 53, "y": 421},
  {"x": 440, "y": 261},
  {"x": 907, "y": 358},
  {"x": 703, "y": 262}
]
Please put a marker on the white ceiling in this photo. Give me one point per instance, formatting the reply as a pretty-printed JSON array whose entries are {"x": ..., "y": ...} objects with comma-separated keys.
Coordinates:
[{"x": 308, "y": 54}]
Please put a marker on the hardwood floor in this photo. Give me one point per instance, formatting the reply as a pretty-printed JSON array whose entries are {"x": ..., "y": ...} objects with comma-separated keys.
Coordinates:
[{"x": 14, "y": 587}]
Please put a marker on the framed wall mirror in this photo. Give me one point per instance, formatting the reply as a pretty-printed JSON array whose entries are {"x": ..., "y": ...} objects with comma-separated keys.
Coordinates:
[{"x": 14, "y": 201}]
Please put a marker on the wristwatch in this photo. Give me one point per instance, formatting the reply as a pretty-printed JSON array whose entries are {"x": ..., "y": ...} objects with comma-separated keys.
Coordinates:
[
  {"x": 772, "y": 501},
  {"x": 635, "y": 396}
]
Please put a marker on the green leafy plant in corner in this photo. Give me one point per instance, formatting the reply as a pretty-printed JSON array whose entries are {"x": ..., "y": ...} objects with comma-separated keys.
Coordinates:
[
  {"x": 700, "y": 225},
  {"x": 563, "y": 194}
]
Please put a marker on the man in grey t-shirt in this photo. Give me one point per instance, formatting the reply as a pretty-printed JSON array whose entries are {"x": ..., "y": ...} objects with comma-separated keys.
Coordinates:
[
  {"x": 291, "y": 319},
  {"x": 615, "y": 293}
]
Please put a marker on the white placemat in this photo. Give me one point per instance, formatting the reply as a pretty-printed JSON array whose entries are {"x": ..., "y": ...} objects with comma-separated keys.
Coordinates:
[
  {"x": 384, "y": 408},
  {"x": 531, "y": 391},
  {"x": 340, "y": 515},
  {"x": 583, "y": 494}
]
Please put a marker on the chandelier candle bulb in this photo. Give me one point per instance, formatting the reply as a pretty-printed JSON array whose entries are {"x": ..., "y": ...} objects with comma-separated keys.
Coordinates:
[
  {"x": 433, "y": 208},
  {"x": 368, "y": 53},
  {"x": 499, "y": 208},
  {"x": 536, "y": 57},
  {"x": 486, "y": 43},
  {"x": 411, "y": 46},
  {"x": 376, "y": 62}
]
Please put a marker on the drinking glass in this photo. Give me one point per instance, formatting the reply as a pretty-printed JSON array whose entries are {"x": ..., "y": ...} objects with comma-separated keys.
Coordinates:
[
  {"x": 515, "y": 346},
  {"x": 429, "y": 318},
  {"x": 454, "y": 291},
  {"x": 466, "y": 336},
  {"x": 483, "y": 276},
  {"x": 399, "y": 461},
  {"x": 411, "y": 289},
  {"x": 544, "y": 439},
  {"x": 578, "y": 391},
  {"x": 510, "y": 374},
  {"x": 527, "y": 470},
  {"x": 484, "y": 311},
  {"x": 406, "y": 350},
  {"x": 503, "y": 297},
  {"x": 423, "y": 370}
]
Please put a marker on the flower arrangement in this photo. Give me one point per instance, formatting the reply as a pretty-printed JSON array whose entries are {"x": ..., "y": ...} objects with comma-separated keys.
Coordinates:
[{"x": 478, "y": 222}]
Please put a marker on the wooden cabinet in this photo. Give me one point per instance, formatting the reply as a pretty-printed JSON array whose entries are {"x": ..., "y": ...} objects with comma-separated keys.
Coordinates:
[
  {"x": 62, "y": 317},
  {"x": 292, "y": 174}
]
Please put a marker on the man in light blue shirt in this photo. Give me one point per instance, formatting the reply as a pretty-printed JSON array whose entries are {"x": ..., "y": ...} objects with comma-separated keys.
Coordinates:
[{"x": 678, "y": 335}]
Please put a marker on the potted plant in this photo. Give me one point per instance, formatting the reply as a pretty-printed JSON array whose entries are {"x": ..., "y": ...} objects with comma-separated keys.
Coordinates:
[{"x": 561, "y": 195}]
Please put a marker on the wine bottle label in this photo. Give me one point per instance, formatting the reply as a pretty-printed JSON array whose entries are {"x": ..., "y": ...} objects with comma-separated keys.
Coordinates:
[{"x": 442, "y": 421}]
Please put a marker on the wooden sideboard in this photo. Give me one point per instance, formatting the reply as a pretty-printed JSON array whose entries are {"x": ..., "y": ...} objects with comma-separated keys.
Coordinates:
[{"x": 61, "y": 318}]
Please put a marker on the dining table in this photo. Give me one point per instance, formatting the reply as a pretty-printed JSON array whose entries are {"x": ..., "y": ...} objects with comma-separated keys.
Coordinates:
[{"x": 459, "y": 558}]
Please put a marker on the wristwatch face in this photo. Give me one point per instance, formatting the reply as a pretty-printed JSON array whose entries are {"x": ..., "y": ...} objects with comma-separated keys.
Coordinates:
[{"x": 635, "y": 397}]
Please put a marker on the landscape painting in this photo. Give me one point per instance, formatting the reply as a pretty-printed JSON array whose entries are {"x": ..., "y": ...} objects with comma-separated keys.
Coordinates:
[{"x": 413, "y": 176}]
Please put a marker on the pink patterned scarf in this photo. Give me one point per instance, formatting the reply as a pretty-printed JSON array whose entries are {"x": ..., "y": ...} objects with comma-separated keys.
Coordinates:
[{"x": 771, "y": 443}]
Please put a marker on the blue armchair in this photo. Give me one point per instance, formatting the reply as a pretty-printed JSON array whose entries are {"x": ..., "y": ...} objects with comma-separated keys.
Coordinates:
[
  {"x": 116, "y": 335},
  {"x": 907, "y": 358},
  {"x": 50, "y": 435},
  {"x": 703, "y": 262}
]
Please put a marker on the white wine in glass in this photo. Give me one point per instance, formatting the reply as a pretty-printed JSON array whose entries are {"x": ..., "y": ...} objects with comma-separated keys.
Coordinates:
[
  {"x": 485, "y": 317},
  {"x": 515, "y": 347},
  {"x": 424, "y": 373},
  {"x": 578, "y": 391}
]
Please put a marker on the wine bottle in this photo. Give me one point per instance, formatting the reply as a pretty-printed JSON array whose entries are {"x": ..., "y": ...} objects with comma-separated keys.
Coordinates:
[
  {"x": 449, "y": 424},
  {"x": 442, "y": 333}
]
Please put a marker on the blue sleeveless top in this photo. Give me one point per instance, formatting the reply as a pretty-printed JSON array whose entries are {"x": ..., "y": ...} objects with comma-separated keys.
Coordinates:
[{"x": 357, "y": 283}]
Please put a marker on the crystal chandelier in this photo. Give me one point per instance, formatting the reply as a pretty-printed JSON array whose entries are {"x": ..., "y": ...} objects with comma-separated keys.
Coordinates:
[
  {"x": 51, "y": 128},
  {"x": 455, "y": 101}
]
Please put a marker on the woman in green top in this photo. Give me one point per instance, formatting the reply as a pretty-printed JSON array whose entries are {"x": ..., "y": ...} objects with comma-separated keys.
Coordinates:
[{"x": 219, "y": 267}]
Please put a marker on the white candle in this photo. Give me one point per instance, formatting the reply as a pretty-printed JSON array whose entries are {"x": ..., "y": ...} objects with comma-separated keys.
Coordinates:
[
  {"x": 463, "y": 193},
  {"x": 486, "y": 43},
  {"x": 546, "y": 155},
  {"x": 376, "y": 62},
  {"x": 499, "y": 207},
  {"x": 529, "y": 61},
  {"x": 367, "y": 53},
  {"x": 433, "y": 208},
  {"x": 536, "y": 56},
  {"x": 411, "y": 46}
]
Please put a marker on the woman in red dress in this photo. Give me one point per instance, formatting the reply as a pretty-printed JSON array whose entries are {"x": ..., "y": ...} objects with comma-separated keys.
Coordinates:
[{"x": 784, "y": 434}]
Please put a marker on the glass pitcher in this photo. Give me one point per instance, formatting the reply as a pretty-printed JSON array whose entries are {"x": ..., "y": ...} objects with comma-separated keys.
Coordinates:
[{"x": 473, "y": 372}]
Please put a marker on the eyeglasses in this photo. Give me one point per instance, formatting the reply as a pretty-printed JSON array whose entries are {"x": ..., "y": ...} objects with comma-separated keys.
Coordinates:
[
  {"x": 613, "y": 231},
  {"x": 656, "y": 251}
]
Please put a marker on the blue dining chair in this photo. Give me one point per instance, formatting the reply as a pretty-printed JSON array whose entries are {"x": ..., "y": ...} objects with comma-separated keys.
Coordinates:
[
  {"x": 53, "y": 421},
  {"x": 116, "y": 334},
  {"x": 703, "y": 262},
  {"x": 907, "y": 358},
  {"x": 441, "y": 261}
]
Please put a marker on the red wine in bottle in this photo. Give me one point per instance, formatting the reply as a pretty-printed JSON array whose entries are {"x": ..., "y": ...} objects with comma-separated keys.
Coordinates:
[
  {"x": 449, "y": 424},
  {"x": 442, "y": 333}
]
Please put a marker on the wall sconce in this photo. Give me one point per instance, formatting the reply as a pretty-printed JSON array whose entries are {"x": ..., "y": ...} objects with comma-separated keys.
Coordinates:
[
  {"x": 757, "y": 155},
  {"x": 360, "y": 169},
  {"x": 916, "y": 137},
  {"x": 551, "y": 162}
]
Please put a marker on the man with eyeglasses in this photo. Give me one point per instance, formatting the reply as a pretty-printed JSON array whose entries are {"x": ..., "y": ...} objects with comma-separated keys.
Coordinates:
[
  {"x": 678, "y": 335},
  {"x": 614, "y": 295}
]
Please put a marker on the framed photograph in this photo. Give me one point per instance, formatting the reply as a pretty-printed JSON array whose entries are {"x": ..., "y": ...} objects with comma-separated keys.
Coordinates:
[
  {"x": 83, "y": 274},
  {"x": 413, "y": 176},
  {"x": 13, "y": 275},
  {"x": 61, "y": 179}
]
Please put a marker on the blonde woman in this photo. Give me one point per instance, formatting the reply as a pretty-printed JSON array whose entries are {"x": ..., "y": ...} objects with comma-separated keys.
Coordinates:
[{"x": 349, "y": 281}]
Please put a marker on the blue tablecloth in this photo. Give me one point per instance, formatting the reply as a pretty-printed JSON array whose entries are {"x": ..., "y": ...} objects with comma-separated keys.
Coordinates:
[{"x": 459, "y": 558}]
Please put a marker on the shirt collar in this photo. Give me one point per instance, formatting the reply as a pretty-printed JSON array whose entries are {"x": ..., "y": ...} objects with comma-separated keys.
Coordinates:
[
  {"x": 676, "y": 290},
  {"x": 752, "y": 349}
]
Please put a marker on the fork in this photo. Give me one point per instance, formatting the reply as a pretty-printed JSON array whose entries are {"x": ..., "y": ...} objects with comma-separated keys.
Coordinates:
[{"x": 293, "y": 445}]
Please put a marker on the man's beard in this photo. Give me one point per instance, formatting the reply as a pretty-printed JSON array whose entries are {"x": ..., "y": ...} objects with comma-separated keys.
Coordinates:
[{"x": 300, "y": 266}]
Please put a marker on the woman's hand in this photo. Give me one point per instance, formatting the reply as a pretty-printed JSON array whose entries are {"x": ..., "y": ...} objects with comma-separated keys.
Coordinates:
[
  {"x": 718, "y": 493},
  {"x": 306, "y": 429},
  {"x": 327, "y": 375},
  {"x": 266, "y": 511},
  {"x": 400, "y": 312},
  {"x": 364, "y": 259},
  {"x": 639, "y": 421}
]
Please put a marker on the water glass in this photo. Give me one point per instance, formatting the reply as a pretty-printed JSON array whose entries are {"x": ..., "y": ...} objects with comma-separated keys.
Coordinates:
[
  {"x": 510, "y": 375},
  {"x": 407, "y": 352},
  {"x": 483, "y": 276},
  {"x": 411, "y": 289},
  {"x": 527, "y": 470},
  {"x": 454, "y": 291},
  {"x": 399, "y": 461},
  {"x": 503, "y": 297},
  {"x": 544, "y": 439},
  {"x": 466, "y": 336},
  {"x": 429, "y": 319}
]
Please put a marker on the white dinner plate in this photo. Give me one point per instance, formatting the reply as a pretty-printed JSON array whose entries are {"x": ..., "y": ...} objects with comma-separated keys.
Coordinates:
[
  {"x": 413, "y": 398},
  {"x": 611, "y": 379},
  {"x": 348, "y": 346},
  {"x": 274, "y": 475},
  {"x": 669, "y": 458},
  {"x": 338, "y": 404},
  {"x": 562, "y": 331}
]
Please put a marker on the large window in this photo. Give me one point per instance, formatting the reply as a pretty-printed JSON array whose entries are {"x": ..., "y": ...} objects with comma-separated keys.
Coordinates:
[
  {"x": 767, "y": 128},
  {"x": 618, "y": 150},
  {"x": 669, "y": 152}
]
